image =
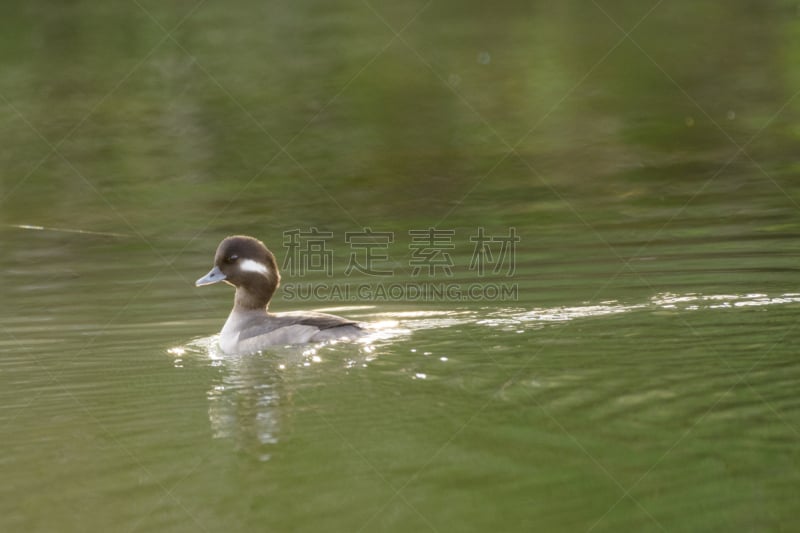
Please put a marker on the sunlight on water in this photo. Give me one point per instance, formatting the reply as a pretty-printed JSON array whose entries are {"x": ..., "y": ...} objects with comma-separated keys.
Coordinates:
[
  {"x": 391, "y": 326},
  {"x": 668, "y": 301},
  {"x": 694, "y": 301}
]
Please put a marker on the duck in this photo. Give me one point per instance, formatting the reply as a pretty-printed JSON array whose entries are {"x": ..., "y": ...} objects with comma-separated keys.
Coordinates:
[{"x": 250, "y": 267}]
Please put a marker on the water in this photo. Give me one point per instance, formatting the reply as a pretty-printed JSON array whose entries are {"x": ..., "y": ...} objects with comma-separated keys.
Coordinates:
[{"x": 642, "y": 376}]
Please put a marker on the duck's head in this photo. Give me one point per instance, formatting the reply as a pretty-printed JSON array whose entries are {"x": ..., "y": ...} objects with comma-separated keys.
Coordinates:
[{"x": 248, "y": 265}]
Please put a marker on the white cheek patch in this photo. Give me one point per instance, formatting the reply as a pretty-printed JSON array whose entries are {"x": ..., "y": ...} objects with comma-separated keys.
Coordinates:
[{"x": 248, "y": 265}]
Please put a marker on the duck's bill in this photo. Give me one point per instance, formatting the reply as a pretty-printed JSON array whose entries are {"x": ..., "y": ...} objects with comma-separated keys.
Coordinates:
[{"x": 214, "y": 276}]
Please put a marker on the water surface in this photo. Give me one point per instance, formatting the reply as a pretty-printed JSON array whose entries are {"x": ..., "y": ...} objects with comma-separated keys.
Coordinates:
[{"x": 642, "y": 377}]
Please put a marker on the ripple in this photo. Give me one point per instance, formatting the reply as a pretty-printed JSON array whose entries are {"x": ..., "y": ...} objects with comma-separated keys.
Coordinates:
[
  {"x": 697, "y": 301},
  {"x": 667, "y": 301}
]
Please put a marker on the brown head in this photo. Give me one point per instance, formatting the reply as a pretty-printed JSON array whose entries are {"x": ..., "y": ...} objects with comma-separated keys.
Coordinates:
[{"x": 248, "y": 265}]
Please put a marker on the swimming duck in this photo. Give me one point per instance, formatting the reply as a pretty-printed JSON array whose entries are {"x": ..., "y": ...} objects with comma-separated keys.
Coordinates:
[{"x": 248, "y": 265}]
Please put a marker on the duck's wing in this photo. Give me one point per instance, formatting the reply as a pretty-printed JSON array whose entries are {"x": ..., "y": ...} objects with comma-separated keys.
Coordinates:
[
  {"x": 329, "y": 327},
  {"x": 311, "y": 318},
  {"x": 294, "y": 328}
]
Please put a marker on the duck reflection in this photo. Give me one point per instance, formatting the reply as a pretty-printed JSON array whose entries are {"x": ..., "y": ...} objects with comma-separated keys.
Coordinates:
[{"x": 252, "y": 399}]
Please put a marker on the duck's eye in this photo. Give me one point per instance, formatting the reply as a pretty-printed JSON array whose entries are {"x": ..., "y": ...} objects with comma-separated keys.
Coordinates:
[{"x": 231, "y": 259}]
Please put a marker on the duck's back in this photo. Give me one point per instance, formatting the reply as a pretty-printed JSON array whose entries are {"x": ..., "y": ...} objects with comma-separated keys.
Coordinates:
[{"x": 257, "y": 331}]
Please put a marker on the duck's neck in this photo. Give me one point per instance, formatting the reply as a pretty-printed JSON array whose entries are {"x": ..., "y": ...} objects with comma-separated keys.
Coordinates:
[
  {"x": 247, "y": 300},
  {"x": 255, "y": 290}
]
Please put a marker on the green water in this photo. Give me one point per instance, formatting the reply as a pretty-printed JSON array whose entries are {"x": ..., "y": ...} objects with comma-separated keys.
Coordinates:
[{"x": 642, "y": 377}]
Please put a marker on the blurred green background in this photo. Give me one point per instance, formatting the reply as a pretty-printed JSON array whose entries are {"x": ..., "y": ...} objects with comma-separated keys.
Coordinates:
[{"x": 646, "y": 153}]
